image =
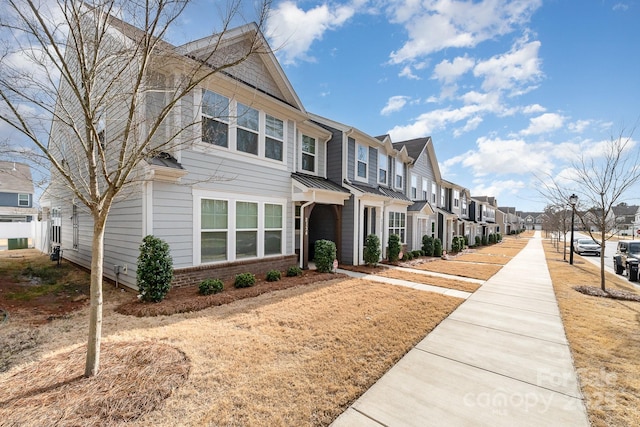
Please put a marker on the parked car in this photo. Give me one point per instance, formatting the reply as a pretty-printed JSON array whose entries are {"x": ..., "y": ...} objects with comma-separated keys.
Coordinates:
[
  {"x": 627, "y": 258},
  {"x": 586, "y": 246}
]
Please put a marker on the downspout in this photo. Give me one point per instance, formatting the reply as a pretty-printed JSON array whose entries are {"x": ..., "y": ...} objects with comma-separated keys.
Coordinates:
[{"x": 306, "y": 226}]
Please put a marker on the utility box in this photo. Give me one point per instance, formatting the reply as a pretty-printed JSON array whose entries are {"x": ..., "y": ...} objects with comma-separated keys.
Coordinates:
[{"x": 20, "y": 243}]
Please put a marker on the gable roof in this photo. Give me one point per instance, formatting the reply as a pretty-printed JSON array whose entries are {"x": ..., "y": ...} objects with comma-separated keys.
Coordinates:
[
  {"x": 15, "y": 178},
  {"x": 279, "y": 86},
  {"x": 418, "y": 146},
  {"x": 623, "y": 209}
]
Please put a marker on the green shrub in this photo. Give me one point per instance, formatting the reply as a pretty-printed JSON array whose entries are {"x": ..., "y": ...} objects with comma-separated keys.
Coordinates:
[
  {"x": 210, "y": 286},
  {"x": 437, "y": 247},
  {"x": 273, "y": 276},
  {"x": 407, "y": 256},
  {"x": 427, "y": 245},
  {"x": 498, "y": 237},
  {"x": 416, "y": 254},
  {"x": 372, "y": 249},
  {"x": 492, "y": 238},
  {"x": 244, "y": 280},
  {"x": 394, "y": 248},
  {"x": 456, "y": 244},
  {"x": 325, "y": 255},
  {"x": 512, "y": 232},
  {"x": 293, "y": 271},
  {"x": 466, "y": 240},
  {"x": 484, "y": 241},
  {"x": 155, "y": 269},
  {"x": 478, "y": 240}
]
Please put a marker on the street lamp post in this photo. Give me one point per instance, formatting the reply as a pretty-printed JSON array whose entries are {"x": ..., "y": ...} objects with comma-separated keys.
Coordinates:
[{"x": 573, "y": 199}]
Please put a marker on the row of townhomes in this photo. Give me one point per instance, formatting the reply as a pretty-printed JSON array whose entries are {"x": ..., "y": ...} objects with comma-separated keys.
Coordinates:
[{"x": 285, "y": 178}]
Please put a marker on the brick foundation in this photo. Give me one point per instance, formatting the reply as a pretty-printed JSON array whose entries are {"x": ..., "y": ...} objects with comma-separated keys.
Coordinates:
[{"x": 192, "y": 276}]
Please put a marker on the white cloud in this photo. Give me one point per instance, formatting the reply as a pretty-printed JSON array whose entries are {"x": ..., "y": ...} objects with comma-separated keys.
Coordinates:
[
  {"x": 511, "y": 71},
  {"x": 291, "y": 30},
  {"x": 544, "y": 123},
  {"x": 579, "y": 126},
  {"x": 497, "y": 187},
  {"x": 534, "y": 109},
  {"x": 449, "y": 71},
  {"x": 440, "y": 24},
  {"x": 395, "y": 103},
  {"x": 471, "y": 124}
]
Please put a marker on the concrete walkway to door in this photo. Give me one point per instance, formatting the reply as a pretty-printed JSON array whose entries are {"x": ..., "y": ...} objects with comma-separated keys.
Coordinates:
[{"x": 500, "y": 359}]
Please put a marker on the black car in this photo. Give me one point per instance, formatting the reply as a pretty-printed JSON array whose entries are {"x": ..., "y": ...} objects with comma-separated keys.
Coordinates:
[{"x": 626, "y": 259}]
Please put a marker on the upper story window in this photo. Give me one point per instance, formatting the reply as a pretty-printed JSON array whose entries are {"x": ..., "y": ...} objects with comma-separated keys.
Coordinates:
[
  {"x": 308, "y": 161},
  {"x": 443, "y": 198},
  {"x": 248, "y": 129},
  {"x": 215, "y": 119},
  {"x": 414, "y": 187},
  {"x": 425, "y": 189},
  {"x": 23, "y": 200},
  {"x": 464, "y": 205},
  {"x": 433, "y": 192},
  {"x": 383, "y": 168},
  {"x": 399, "y": 174},
  {"x": 362, "y": 161},
  {"x": 231, "y": 124},
  {"x": 456, "y": 198}
]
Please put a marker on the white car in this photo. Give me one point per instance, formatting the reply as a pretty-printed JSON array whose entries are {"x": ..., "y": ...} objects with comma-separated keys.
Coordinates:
[{"x": 586, "y": 246}]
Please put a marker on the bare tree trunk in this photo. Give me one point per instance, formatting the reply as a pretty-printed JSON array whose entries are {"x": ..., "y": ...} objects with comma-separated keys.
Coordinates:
[
  {"x": 95, "y": 317},
  {"x": 602, "y": 247}
]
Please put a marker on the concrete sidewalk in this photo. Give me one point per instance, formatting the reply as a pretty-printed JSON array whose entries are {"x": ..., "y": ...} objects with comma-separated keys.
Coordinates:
[{"x": 500, "y": 359}]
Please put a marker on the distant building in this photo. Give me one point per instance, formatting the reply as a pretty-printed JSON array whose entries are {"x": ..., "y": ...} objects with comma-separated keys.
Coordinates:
[{"x": 16, "y": 193}]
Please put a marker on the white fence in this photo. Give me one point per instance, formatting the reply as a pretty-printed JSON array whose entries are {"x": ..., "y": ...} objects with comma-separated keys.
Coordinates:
[{"x": 36, "y": 231}]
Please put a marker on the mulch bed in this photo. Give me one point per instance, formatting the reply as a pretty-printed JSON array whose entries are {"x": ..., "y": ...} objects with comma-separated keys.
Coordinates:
[
  {"x": 609, "y": 293},
  {"x": 187, "y": 299}
]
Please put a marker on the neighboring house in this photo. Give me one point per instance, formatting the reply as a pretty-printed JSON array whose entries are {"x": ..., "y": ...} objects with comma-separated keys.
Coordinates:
[
  {"x": 375, "y": 174},
  {"x": 533, "y": 220},
  {"x": 16, "y": 205},
  {"x": 510, "y": 221},
  {"x": 625, "y": 218},
  {"x": 484, "y": 211}
]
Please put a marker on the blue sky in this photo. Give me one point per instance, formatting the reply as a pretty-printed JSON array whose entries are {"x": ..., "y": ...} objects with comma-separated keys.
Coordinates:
[{"x": 506, "y": 89}]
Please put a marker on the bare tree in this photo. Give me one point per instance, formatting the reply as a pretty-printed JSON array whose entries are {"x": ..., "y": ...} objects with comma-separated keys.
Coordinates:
[
  {"x": 601, "y": 180},
  {"x": 558, "y": 221},
  {"x": 67, "y": 66}
]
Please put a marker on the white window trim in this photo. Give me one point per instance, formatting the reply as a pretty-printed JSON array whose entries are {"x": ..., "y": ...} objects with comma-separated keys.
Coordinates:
[
  {"x": 231, "y": 199},
  {"x": 231, "y": 152},
  {"x": 399, "y": 163},
  {"x": 425, "y": 189},
  {"x": 380, "y": 156},
  {"x": 434, "y": 192},
  {"x": 28, "y": 196},
  {"x": 366, "y": 163},
  {"x": 389, "y": 227},
  {"x": 414, "y": 180},
  {"x": 315, "y": 156}
]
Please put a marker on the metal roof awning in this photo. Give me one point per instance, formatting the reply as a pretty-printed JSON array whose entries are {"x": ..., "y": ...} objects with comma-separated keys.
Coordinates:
[
  {"x": 317, "y": 189},
  {"x": 421, "y": 207}
]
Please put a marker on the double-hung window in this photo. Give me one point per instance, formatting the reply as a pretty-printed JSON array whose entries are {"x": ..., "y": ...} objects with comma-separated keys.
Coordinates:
[
  {"x": 383, "y": 168},
  {"x": 456, "y": 198},
  {"x": 433, "y": 192},
  {"x": 246, "y": 230},
  {"x": 248, "y": 129},
  {"x": 23, "y": 200},
  {"x": 362, "y": 161},
  {"x": 425, "y": 189},
  {"x": 414, "y": 187},
  {"x": 215, "y": 119},
  {"x": 214, "y": 217},
  {"x": 274, "y": 130},
  {"x": 272, "y": 229},
  {"x": 397, "y": 224},
  {"x": 308, "y": 160},
  {"x": 399, "y": 174},
  {"x": 442, "y": 198}
]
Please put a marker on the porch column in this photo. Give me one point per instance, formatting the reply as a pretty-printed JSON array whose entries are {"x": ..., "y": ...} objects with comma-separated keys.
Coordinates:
[
  {"x": 337, "y": 209},
  {"x": 305, "y": 235}
]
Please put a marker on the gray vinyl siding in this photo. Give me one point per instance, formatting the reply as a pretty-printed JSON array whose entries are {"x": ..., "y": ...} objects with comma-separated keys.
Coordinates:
[
  {"x": 351, "y": 159},
  {"x": 333, "y": 154},
  {"x": 348, "y": 231},
  {"x": 11, "y": 199},
  {"x": 373, "y": 166},
  {"x": 422, "y": 168},
  {"x": 173, "y": 220}
]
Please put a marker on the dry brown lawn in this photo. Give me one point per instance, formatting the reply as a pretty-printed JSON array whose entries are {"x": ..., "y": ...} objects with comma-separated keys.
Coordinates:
[
  {"x": 484, "y": 258},
  {"x": 430, "y": 280},
  {"x": 463, "y": 269},
  {"x": 604, "y": 339},
  {"x": 294, "y": 357}
]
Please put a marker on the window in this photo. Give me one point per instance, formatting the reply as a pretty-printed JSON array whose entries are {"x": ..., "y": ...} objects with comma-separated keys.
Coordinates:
[
  {"x": 362, "y": 161},
  {"x": 272, "y": 229},
  {"x": 442, "y": 198},
  {"x": 464, "y": 205},
  {"x": 246, "y": 230},
  {"x": 215, "y": 119},
  {"x": 433, "y": 192},
  {"x": 101, "y": 126},
  {"x": 274, "y": 130},
  {"x": 308, "y": 154},
  {"x": 56, "y": 226},
  {"x": 399, "y": 174},
  {"x": 248, "y": 127},
  {"x": 383, "y": 168},
  {"x": 456, "y": 198},
  {"x": 433, "y": 229},
  {"x": 414, "y": 187},
  {"x": 213, "y": 236},
  {"x": 397, "y": 224},
  {"x": 76, "y": 227},
  {"x": 23, "y": 200},
  {"x": 425, "y": 189}
]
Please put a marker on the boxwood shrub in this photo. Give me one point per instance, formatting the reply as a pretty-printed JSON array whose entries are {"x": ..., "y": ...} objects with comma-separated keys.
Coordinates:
[
  {"x": 437, "y": 247},
  {"x": 325, "y": 254},
  {"x": 244, "y": 280},
  {"x": 155, "y": 269},
  {"x": 273, "y": 276},
  {"x": 293, "y": 271},
  {"x": 210, "y": 286},
  {"x": 371, "y": 249},
  {"x": 394, "y": 248},
  {"x": 427, "y": 245}
]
